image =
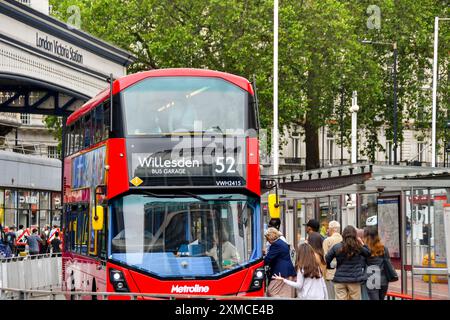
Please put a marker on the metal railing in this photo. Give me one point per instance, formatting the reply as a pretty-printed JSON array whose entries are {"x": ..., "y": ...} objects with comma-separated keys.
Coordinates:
[
  {"x": 23, "y": 294},
  {"x": 27, "y": 147},
  {"x": 31, "y": 272}
]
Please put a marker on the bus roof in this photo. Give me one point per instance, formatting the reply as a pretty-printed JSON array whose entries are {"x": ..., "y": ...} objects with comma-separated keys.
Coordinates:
[{"x": 126, "y": 81}]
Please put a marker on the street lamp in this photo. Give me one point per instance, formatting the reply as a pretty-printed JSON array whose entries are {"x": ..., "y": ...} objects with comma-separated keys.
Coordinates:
[
  {"x": 433, "y": 121},
  {"x": 354, "y": 110},
  {"x": 394, "y": 46},
  {"x": 275, "y": 88}
]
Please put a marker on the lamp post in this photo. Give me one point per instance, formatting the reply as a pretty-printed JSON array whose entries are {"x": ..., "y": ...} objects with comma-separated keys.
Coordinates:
[
  {"x": 354, "y": 110},
  {"x": 435, "y": 64},
  {"x": 275, "y": 88},
  {"x": 395, "y": 120},
  {"x": 342, "y": 125}
]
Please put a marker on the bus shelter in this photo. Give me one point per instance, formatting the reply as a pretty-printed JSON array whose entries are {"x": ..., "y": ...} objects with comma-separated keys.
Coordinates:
[{"x": 406, "y": 204}]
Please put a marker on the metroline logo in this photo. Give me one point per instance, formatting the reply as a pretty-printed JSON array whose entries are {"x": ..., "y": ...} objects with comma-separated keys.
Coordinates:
[{"x": 189, "y": 289}]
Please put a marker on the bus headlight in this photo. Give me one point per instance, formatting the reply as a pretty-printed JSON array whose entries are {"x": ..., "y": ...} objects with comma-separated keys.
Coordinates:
[
  {"x": 118, "y": 280},
  {"x": 257, "y": 280}
]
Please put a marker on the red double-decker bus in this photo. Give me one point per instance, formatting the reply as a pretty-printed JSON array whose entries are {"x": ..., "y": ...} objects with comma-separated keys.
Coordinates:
[{"x": 162, "y": 187}]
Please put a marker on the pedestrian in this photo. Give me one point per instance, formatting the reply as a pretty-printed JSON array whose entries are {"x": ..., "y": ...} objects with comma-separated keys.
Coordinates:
[
  {"x": 279, "y": 261},
  {"x": 316, "y": 242},
  {"x": 312, "y": 226},
  {"x": 334, "y": 237},
  {"x": 20, "y": 231},
  {"x": 56, "y": 244},
  {"x": 310, "y": 283},
  {"x": 276, "y": 223},
  {"x": 20, "y": 241},
  {"x": 364, "y": 294},
  {"x": 44, "y": 245},
  {"x": 350, "y": 256},
  {"x": 376, "y": 287},
  {"x": 34, "y": 241},
  {"x": 52, "y": 233},
  {"x": 11, "y": 240}
]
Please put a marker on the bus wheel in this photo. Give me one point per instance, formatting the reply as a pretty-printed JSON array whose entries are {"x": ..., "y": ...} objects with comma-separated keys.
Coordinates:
[{"x": 94, "y": 289}]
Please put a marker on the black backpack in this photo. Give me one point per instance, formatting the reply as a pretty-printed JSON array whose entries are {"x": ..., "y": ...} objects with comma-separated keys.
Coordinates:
[{"x": 10, "y": 239}]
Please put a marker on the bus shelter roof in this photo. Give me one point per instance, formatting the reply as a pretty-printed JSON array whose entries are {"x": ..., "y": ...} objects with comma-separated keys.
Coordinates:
[{"x": 358, "y": 178}]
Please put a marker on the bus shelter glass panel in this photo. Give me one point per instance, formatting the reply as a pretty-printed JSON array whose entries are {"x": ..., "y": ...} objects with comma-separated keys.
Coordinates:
[
  {"x": 2, "y": 207},
  {"x": 310, "y": 209},
  {"x": 329, "y": 209},
  {"x": 368, "y": 210},
  {"x": 425, "y": 241},
  {"x": 300, "y": 221}
]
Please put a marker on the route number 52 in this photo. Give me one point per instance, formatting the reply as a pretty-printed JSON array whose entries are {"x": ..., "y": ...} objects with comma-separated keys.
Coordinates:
[{"x": 222, "y": 163}]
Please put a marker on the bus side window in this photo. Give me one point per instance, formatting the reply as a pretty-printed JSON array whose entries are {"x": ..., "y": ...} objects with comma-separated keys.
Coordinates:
[
  {"x": 77, "y": 132},
  {"x": 67, "y": 140},
  {"x": 98, "y": 124},
  {"x": 71, "y": 139},
  {"x": 87, "y": 124},
  {"x": 101, "y": 238},
  {"x": 106, "y": 120}
]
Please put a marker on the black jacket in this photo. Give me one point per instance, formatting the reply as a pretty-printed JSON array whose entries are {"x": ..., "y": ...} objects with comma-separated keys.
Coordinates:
[
  {"x": 378, "y": 261},
  {"x": 348, "y": 270}
]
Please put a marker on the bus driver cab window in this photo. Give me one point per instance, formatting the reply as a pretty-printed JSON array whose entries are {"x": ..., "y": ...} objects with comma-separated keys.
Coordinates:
[{"x": 230, "y": 255}]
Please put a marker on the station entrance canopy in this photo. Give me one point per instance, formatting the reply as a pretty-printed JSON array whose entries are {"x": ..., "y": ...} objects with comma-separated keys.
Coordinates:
[{"x": 47, "y": 67}]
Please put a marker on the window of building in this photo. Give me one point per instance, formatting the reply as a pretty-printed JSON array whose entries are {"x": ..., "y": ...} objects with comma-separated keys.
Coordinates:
[
  {"x": 420, "y": 148},
  {"x": 52, "y": 152},
  {"x": 25, "y": 118},
  {"x": 330, "y": 147}
]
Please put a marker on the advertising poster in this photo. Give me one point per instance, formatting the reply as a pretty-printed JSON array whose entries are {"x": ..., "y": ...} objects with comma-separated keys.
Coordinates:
[{"x": 388, "y": 224}]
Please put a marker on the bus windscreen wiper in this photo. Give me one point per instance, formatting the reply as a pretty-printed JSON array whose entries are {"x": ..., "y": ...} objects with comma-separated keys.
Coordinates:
[{"x": 196, "y": 196}]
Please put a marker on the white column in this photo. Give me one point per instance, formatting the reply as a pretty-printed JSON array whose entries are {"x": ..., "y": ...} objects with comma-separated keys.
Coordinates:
[
  {"x": 275, "y": 146},
  {"x": 433, "y": 121},
  {"x": 354, "y": 109}
]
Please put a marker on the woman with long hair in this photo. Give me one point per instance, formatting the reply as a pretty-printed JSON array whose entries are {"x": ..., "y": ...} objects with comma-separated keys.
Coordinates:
[
  {"x": 310, "y": 283},
  {"x": 376, "y": 288},
  {"x": 316, "y": 242},
  {"x": 350, "y": 256}
]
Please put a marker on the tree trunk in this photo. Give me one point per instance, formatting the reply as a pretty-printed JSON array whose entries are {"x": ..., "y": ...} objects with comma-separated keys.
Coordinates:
[
  {"x": 312, "y": 144},
  {"x": 311, "y": 127}
]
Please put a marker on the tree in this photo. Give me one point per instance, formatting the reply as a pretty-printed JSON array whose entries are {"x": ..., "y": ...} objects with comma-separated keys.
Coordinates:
[
  {"x": 321, "y": 55},
  {"x": 233, "y": 35}
]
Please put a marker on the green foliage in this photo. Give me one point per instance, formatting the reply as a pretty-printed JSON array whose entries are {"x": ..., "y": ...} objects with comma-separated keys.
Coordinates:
[
  {"x": 54, "y": 125},
  {"x": 320, "y": 53}
]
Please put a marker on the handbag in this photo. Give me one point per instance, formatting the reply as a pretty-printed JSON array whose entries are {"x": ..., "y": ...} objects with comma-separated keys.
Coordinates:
[{"x": 391, "y": 274}]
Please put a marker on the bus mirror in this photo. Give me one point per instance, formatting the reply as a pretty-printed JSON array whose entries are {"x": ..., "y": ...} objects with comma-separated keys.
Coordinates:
[
  {"x": 274, "y": 206},
  {"x": 97, "y": 218}
]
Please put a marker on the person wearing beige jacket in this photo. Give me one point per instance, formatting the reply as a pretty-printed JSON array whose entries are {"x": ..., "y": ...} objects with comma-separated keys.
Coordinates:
[{"x": 333, "y": 238}]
